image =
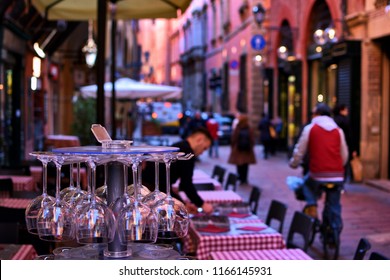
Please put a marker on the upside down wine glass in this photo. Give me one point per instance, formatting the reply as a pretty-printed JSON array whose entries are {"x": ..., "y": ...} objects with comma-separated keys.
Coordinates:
[
  {"x": 33, "y": 208},
  {"x": 136, "y": 222},
  {"x": 55, "y": 220},
  {"x": 95, "y": 221},
  {"x": 151, "y": 199},
  {"x": 172, "y": 215}
]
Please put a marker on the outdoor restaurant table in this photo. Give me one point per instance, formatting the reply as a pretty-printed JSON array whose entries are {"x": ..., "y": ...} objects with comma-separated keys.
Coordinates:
[
  {"x": 276, "y": 254},
  {"x": 200, "y": 177},
  {"x": 36, "y": 173},
  {"x": 15, "y": 203},
  {"x": 236, "y": 239},
  {"x": 61, "y": 141},
  {"x": 21, "y": 183},
  {"x": 216, "y": 197},
  {"x": 17, "y": 252}
]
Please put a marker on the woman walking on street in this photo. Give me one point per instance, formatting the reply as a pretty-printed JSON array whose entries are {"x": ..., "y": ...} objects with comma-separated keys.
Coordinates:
[{"x": 242, "y": 148}]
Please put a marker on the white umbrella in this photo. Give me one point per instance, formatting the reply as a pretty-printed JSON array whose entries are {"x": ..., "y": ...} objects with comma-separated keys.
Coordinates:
[{"x": 129, "y": 89}]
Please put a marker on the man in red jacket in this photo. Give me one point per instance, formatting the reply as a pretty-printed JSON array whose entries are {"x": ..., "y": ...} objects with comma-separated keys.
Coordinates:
[{"x": 324, "y": 142}]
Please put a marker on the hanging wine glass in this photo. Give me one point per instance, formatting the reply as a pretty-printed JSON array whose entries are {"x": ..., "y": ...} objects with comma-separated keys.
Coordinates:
[
  {"x": 73, "y": 197},
  {"x": 152, "y": 198},
  {"x": 55, "y": 221},
  {"x": 136, "y": 222},
  {"x": 95, "y": 221},
  {"x": 171, "y": 214},
  {"x": 101, "y": 192},
  {"x": 33, "y": 208},
  {"x": 64, "y": 192}
]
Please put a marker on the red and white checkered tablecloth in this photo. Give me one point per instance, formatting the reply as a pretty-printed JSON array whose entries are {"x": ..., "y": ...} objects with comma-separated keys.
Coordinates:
[
  {"x": 276, "y": 254},
  {"x": 205, "y": 243},
  {"x": 26, "y": 252},
  {"x": 17, "y": 252},
  {"x": 19, "y": 203},
  {"x": 216, "y": 197},
  {"x": 21, "y": 183},
  {"x": 201, "y": 177}
]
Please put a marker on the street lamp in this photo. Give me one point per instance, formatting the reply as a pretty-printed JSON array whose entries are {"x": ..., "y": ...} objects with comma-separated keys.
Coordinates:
[
  {"x": 258, "y": 13},
  {"x": 323, "y": 36},
  {"x": 90, "y": 49}
]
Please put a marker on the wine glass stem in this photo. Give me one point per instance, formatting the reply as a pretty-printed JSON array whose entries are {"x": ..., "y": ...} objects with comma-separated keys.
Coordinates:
[
  {"x": 105, "y": 174},
  {"x": 78, "y": 176},
  {"x": 125, "y": 178},
  {"x": 44, "y": 178},
  {"x": 168, "y": 171},
  {"x": 157, "y": 174},
  {"x": 58, "y": 181},
  {"x": 135, "y": 180},
  {"x": 71, "y": 176}
]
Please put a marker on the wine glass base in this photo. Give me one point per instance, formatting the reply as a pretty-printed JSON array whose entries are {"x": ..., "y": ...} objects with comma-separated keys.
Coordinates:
[{"x": 116, "y": 255}]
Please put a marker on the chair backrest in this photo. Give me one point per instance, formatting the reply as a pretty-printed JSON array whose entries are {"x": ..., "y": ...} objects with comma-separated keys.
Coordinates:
[
  {"x": 378, "y": 256},
  {"x": 277, "y": 211},
  {"x": 362, "y": 248},
  {"x": 299, "y": 231},
  {"x": 254, "y": 198},
  {"x": 205, "y": 187},
  {"x": 6, "y": 187},
  {"x": 232, "y": 180},
  {"x": 219, "y": 173},
  {"x": 9, "y": 233}
]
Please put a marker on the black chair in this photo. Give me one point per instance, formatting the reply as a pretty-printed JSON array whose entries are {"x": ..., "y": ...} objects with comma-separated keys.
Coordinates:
[
  {"x": 254, "y": 198},
  {"x": 205, "y": 187},
  {"x": 302, "y": 226},
  {"x": 277, "y": 211},
  {"x": 9, "y": 233},
  {"x": 378, "y": 256},
  {"x": 6, "y": 187},
  {"x": 218, "y": 173},
  {"x": 362, "y": 248},
  {"x": 231, "y": 181}
]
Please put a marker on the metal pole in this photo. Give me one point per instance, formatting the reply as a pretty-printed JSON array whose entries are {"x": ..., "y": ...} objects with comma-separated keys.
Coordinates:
[
  {"x": 100, "y": 64},
  {"x": 113, "y": 67}
]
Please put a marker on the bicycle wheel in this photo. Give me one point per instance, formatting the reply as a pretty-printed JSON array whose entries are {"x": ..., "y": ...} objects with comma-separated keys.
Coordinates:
[{"x": 330, "y": 243}]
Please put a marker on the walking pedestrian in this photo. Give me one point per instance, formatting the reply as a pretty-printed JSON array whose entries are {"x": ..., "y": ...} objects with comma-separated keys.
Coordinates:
[
  {"x": 242, "y": 148},
  {"x": 213, "y": 126},
  {"x": 265, "y": 135}
]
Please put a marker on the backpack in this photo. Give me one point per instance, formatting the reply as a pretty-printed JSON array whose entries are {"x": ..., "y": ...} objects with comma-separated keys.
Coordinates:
[{"x": 244, "y": 143}]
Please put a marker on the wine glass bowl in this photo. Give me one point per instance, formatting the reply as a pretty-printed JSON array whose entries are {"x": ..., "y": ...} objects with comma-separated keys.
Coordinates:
[{"x": 35, "y": 205}]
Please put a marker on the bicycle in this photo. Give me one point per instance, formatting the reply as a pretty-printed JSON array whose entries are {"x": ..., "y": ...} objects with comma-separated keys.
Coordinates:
[{"x": 330, "y": 237}]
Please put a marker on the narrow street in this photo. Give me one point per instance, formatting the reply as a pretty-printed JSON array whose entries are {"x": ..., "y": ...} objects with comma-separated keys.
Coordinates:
[{"x": 366, "y": 210}]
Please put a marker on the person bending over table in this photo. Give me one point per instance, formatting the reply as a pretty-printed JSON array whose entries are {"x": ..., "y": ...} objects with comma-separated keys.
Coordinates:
[{"x": 196, "y": 143}]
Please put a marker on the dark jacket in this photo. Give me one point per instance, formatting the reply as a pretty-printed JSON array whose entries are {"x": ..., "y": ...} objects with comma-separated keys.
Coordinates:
[
  {"x": 242, "y": 157},
  {"x": 182, "y": 169}
]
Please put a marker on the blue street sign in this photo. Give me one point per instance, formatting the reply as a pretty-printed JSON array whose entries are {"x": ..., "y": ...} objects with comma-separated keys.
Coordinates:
[{"x": 258, "y": 42}]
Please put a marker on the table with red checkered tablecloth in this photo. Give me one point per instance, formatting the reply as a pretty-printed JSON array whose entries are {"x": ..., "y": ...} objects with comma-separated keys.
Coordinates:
[
  {"x": 204, "y": 243},
  {"x": 200, "y": 177},
  {"x": 17, "y": 203},
  {"x": 21, "y": 183},
  {"x": 17, "y": 252},
  {"x": 275, "y": 254},
  {"x": 216, "y": 197}
]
